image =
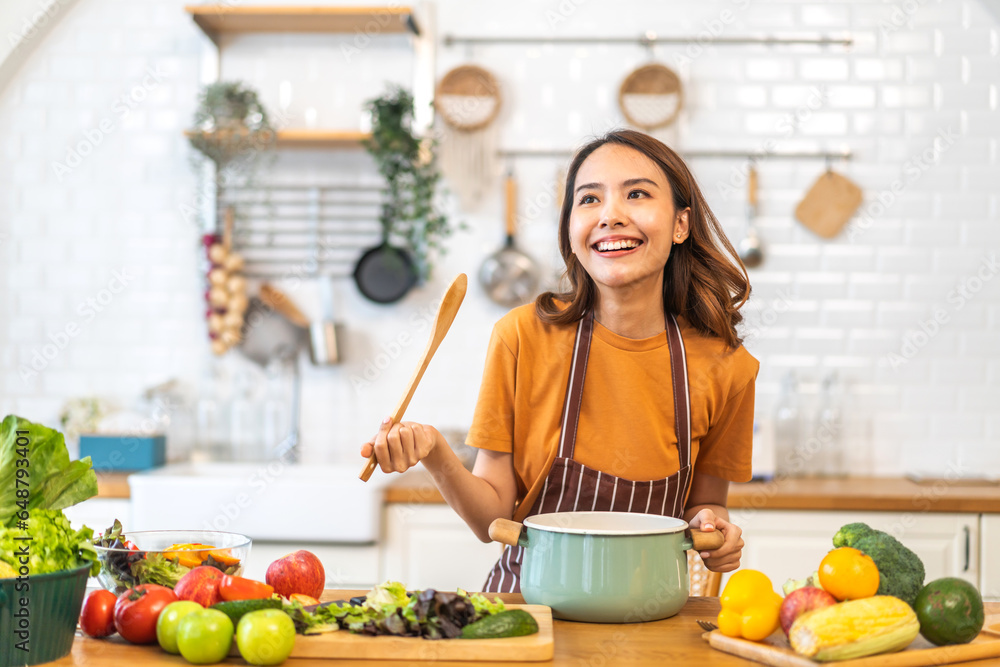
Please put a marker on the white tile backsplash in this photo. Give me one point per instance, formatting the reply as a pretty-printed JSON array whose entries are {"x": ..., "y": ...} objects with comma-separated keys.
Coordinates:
[{"x": 848, "y": 304}]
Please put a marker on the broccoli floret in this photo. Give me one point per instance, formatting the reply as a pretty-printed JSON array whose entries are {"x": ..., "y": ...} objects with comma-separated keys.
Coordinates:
[
  {"x": 901, "y": 572},
  {"x": 851, "y": 533}
]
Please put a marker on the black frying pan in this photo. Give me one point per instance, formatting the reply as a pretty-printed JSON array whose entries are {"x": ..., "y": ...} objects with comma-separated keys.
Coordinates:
[{"x": 384, "y": 274}]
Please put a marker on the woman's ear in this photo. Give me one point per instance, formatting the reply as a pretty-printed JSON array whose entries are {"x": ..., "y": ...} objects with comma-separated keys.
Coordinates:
[{"x": 681, "y": 226}]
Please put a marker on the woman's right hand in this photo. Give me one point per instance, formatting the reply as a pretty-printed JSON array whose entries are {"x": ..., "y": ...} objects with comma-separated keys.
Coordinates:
[{"x": 400, "y": 446}]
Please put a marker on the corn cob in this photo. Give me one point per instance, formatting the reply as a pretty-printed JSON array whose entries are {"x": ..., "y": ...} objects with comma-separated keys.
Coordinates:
[{"x": 854, "y": 629}]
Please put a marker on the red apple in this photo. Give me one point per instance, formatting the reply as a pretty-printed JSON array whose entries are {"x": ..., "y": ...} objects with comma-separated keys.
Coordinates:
[
  {"x": 299, "y": 572},
  {"x": 200, "y": 585},
  {"x": 800, "y": 601}
]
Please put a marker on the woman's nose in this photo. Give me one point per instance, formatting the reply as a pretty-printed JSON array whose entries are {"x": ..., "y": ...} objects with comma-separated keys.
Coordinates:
[{"x": 612, "y": 215}]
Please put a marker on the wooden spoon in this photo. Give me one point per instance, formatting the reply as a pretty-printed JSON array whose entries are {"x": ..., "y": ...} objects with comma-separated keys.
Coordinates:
[
  {"x": 442, "y": 322},
  {"x": 279, "y": 301}
]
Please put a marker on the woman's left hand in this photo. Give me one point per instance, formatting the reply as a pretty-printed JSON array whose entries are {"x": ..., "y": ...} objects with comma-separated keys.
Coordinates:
[{"x": 727, "y": 557}]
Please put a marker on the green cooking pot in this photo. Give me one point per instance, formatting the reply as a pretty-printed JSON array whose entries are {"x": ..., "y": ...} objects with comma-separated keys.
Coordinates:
[{"x": 605, "y": 567}]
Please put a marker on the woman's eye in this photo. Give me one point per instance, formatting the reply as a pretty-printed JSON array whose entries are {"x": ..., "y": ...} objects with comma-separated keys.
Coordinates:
[
  {"x": 637, "y": 192},
  {"x": 588, "y": 199}
]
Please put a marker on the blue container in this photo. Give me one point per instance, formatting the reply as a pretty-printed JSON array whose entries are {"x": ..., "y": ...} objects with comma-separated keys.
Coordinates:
[{"x": 115, "y": 453}]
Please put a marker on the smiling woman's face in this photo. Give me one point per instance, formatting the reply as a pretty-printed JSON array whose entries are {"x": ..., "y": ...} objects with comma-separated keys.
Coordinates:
[{"x": 623, "y": 222}]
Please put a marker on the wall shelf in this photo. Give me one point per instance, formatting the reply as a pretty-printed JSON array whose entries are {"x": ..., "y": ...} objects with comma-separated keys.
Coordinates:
[
  {"x": 303, "y": 138},
  {"x": 218, "y": 20},
  {"x": 308, "y": 138}
]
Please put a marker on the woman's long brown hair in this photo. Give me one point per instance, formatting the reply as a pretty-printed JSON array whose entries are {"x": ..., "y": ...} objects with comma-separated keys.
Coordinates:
[{"x": 704, "y": 280}]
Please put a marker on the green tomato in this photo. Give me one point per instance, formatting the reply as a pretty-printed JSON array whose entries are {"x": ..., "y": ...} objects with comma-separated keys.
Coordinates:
[
  {"x": 265, "y": 637},
  {"x": 169, "y": 619},
  {"x": 204, "y": 637}
]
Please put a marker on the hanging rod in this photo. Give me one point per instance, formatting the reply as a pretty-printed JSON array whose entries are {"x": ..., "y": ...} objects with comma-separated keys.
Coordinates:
[
  {"x": 653, "y": 39},
  {"x": 707, "y": 153}
]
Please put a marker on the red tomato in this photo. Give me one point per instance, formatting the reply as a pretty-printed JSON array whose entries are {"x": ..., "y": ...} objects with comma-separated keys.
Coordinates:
[
  {"x": 239, "y": 588},
  {"x": 97, "y": 618},
  {"x": 138, "y": 608}
]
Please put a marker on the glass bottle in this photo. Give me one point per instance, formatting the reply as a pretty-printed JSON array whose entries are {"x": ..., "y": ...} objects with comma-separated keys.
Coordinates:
[
  {"x": 788, "y": 461},
  {"x": 830, "y": 428}
]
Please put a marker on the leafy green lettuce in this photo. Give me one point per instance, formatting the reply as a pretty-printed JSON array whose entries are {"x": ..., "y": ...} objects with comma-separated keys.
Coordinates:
[
  {"x": 47, "y": 484},
  {"x": 53, "y": 483},
  {"x": 53, "y": 546}
]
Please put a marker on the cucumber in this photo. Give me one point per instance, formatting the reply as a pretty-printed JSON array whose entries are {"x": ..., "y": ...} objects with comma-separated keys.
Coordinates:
[
  {"x": 235, "y": 609},
  {"x": 510, "y": 623}
]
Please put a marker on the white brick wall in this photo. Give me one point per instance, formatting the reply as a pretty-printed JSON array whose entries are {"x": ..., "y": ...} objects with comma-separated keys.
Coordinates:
[{"x": 847, "y": 304}]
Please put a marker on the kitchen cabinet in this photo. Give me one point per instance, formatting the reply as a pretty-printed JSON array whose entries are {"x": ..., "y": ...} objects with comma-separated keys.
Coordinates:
[
  {"x": 790, "y": 544},
  {"x": 346, "y": 565},
  {"x": 429, "y": 545},
  {"x": 989, "y": 556}
]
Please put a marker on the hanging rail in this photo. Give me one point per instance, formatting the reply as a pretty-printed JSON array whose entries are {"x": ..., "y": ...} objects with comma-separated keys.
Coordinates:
[
  {"x": 651, "y": 39},
  {"x": 845, "y": 154}
]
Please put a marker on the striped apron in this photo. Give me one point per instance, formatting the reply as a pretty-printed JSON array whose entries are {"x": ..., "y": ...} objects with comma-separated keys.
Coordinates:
[{"x": 571, "y": 486}]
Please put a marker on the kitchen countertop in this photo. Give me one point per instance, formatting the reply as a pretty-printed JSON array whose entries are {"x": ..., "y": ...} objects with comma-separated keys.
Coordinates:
[
  {"x": 675, "y": 640},
  {"x": 888, "y": 494}
]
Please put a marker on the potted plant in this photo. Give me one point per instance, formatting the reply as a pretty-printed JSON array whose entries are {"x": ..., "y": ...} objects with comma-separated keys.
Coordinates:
[
  {"x": 229, "y": 121},
  {"x": 408, "y": 164}
]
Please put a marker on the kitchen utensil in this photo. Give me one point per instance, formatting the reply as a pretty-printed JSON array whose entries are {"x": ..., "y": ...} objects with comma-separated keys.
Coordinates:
[
  {"x": 706, "y": 625},
  {"x": 605, "y": 567},
  {"x": 267, "y": 334},
  {"x": 651, "y": 96},
  {"x": 829, "y": 204},
  {"x": 750, "y": 249},
  {"x": 385, "y": 273},
  {"x": 509, "y": 276},
  {"x": 450, "y": 304},
  {"x": 345, "y": 645},
  {"x": 323, "y": 333},
  {"x": 279, "y": 301},
  {"x": 776, "y": 651},
  {"x": 468, "y": 100}
]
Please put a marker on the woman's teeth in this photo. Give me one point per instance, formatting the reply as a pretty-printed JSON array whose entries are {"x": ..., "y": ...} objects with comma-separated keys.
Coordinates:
[{"x": 605, "y": 246}]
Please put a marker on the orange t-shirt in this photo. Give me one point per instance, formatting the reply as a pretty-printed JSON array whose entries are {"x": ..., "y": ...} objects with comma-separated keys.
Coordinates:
[{"x": 626, "y": 423}]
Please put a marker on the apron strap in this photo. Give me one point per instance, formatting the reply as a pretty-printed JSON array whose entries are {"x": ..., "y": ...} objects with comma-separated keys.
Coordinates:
[
  {"x": 574, "y": 388},
  {"x": 679, "y": 377},
  {"x": 682, "y": 398}
]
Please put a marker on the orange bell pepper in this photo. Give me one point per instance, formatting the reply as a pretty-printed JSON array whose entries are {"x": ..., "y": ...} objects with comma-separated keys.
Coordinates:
[
  {"x": 224, "y": 556},
  {"x": 239, "y": 588}
]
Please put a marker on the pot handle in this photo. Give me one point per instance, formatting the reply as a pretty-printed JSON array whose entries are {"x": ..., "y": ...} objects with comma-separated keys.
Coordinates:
[
  {"x": 509, "y": 532},
  {"x": 701, "y": 541}
]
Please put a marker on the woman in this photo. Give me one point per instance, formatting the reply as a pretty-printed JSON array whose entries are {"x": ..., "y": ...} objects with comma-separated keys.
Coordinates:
[{"x": 630, "y": 391}]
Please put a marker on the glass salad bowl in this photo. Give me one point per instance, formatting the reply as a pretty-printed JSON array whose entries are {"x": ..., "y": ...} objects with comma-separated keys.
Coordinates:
[{"x": 164, "y": 556}]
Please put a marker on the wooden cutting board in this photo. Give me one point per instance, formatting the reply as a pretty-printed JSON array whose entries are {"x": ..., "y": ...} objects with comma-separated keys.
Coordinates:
[
  {"x": 829, "y": 204},
  {"x": 775, "y": 651},
  {"x": 343, "y": 644}
]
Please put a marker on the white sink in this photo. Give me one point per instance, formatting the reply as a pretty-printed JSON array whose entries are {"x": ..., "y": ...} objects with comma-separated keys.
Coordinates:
[{"x": 267, "y": 501}]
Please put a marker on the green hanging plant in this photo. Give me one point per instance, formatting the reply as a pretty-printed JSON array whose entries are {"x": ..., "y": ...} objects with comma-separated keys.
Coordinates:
[
  {"x": 230, "y": 122},
  {"x": 410, "y": 169}
]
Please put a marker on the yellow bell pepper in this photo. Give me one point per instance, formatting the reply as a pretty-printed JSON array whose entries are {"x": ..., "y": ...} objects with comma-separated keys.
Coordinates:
[
  {"x": 188, "y": 555},
  {"x": 749, "y": 606}
]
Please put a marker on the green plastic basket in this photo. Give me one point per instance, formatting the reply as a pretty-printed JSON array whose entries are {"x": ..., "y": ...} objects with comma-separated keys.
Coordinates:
[{"x": 53, "y": 606}]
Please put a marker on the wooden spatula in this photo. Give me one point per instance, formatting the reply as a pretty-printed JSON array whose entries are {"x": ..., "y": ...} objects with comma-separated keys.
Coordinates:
[
  {"x": 829, "y": 204},
  {"x": 442, "y": 322}
]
